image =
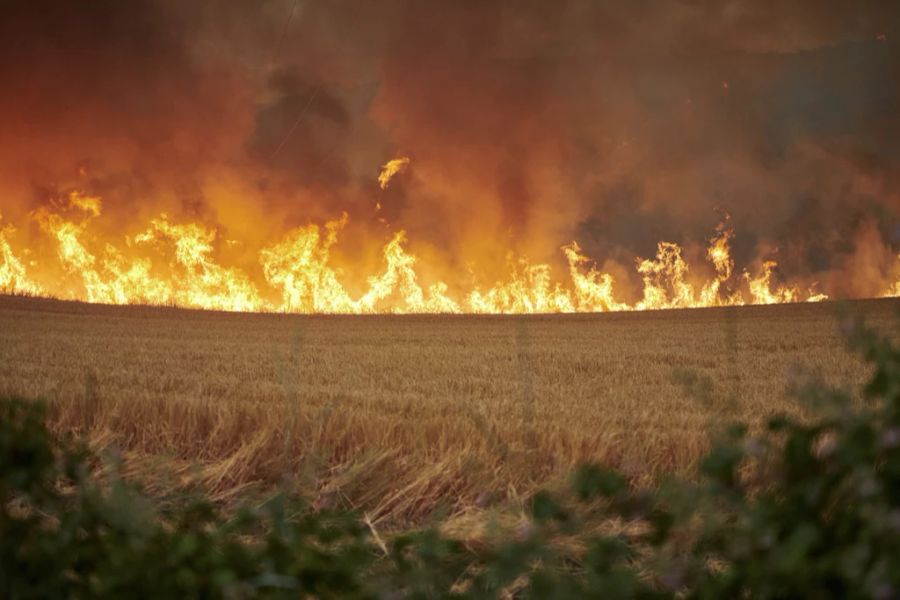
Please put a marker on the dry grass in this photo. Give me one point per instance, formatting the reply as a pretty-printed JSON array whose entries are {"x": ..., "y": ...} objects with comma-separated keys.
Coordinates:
[{"x": 406, "y": 416}]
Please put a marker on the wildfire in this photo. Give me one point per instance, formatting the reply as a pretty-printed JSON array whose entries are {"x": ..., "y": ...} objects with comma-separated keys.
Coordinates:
[
  {"x": 390, "y": 169},
  {"x": 298, "y": 267},
  {"x": 593, "y": 290},
  {"x": 203, "y": 283},
  {"x": 530, "y": 290},
  {"x": 87, "y": 204},
  {"x": 892, "y": 292},
  {"x": 13, "y": 279},
  {"x": 298, "y": 274}
]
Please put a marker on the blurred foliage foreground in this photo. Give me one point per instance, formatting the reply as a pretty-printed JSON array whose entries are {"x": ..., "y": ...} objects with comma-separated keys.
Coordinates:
[{"x": 806, "y": 508}]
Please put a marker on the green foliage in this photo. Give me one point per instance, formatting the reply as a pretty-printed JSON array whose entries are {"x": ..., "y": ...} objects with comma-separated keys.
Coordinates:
[{"x": 808, "y": 508}]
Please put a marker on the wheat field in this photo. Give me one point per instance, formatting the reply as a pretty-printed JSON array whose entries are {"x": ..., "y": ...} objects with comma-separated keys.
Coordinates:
[{"x": 405, "y": 417}]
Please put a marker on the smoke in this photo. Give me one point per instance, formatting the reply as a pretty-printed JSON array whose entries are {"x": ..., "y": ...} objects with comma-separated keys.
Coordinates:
[{"x": 528, "y": 124}]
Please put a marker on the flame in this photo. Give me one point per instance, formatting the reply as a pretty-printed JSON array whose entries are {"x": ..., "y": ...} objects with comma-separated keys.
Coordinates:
[
  {"x": 400, "y": 277},
  {"x": 593, "y": 290},
  {"x": 88, "y": 204},
  {"x": 761, "y": 287},
  {"x": 205, "y": 283},
  {"x": 73, "y": 255},
  {"x": 13, "y": 279},
  {"x": 719, "y": 254},
  {"x": 298, "y": 266},
  {"x": 390, "y": 169},
  {"x": 530, "y": 290},
  {"x": 893, "y": 291},
  {"x": 298, "y": 274},
  {"x": 664, "y": 280}
]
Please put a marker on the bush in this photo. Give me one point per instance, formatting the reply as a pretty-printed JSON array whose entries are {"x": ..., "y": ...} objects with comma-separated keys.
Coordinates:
[{"x": 808, "y": 508}]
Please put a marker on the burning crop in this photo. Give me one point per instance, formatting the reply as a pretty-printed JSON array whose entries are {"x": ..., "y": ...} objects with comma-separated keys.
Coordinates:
[
  {"x": 448, "y": 157},
  {"x": 176, "y": 263}
]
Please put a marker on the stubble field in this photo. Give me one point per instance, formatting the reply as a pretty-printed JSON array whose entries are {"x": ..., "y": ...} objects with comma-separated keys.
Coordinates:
[{"x": 403, "y": 417}]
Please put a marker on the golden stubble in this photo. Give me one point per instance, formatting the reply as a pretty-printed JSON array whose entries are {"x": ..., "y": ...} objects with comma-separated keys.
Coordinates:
[{"x": 406, "y": 416}]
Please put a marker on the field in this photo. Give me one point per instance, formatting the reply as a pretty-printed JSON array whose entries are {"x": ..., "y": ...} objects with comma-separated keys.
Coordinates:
[{"x": 406, "y": 416}]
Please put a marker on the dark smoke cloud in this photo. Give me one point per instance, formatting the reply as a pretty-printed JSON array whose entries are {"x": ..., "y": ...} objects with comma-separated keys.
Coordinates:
[
  {"x": 299, "y": 131},
  {"x": 528, "y": 123},
  {"x": 105, "y": 72}
]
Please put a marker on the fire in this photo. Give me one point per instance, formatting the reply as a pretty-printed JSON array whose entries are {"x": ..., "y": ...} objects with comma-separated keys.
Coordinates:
[
  {"x": 664, "y": 279},
  {"x": 204, "y": 283},
  {"x": 298, "y": 266},
  {"x": 13, "y": 279},
  {"x": 893, "y": 291},
  {"x": 298, "y": 274},
  {"x": 762, "y": 293},
  {"x": 719, "y": 254},
  {"x": 593, "y": 290},
  {"x": 400, "y": 277},
  {"x": 87, "y": 204},
  {"x": 390, "y": 169},
  {"x": 530, "y": 290},
  {"x": 73, "y": 255}
]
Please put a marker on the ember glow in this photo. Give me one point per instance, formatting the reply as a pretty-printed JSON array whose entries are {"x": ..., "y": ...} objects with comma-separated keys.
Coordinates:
[{"x": 451, "y": 157}]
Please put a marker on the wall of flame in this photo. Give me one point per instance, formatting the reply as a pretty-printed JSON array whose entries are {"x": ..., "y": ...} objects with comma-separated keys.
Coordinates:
[
  {"x": 297, "y": 274},
  {"x": 449, "y": 156}
]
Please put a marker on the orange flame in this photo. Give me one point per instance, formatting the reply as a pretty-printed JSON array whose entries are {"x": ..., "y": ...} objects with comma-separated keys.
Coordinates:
[
  {"x": 297, "y": 274},
  {"x": 530, "y": 290},
  {"x": 205, "y": 283},
  {"x": 13, "y": 279},
  {"x": 390, "y": 169},
  {"x": 593, "y": 290},
  {"x": 298, "y": 266},
  {"x": 893, "y": 291}
]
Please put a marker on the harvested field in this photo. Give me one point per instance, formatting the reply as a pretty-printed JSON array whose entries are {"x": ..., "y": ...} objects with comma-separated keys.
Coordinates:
[{"x": 404, "y": 415}]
